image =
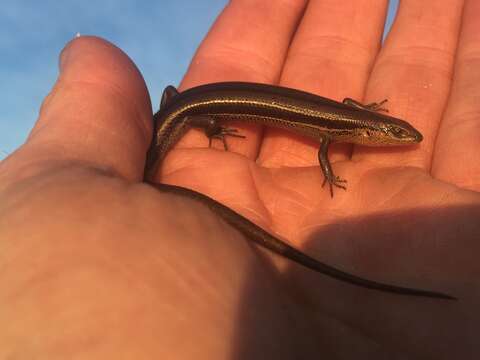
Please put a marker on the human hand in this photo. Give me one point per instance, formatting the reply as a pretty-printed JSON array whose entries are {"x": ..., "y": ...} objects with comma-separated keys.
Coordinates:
[
  {"x": 405, "y": 211},
  {"x": 97, "y": 263}
]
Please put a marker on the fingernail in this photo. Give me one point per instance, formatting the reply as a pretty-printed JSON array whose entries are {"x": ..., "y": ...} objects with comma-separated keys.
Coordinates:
[
  {"x": 63, "y": 59},
  {"x": 64, "y": 54}
]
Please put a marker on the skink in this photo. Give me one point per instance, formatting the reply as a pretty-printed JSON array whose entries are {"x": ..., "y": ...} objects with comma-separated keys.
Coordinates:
[{"x": 316, "y": 117}]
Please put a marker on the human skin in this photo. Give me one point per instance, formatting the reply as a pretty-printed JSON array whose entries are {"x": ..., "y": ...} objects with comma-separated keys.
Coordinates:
[{"x": 94, "y": 264}]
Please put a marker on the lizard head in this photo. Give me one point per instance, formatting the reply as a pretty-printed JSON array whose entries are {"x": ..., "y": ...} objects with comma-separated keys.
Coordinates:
[{"x": 386, "y": 133}]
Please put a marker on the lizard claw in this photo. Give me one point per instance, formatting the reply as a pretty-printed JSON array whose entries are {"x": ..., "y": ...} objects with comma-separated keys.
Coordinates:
[
  {"x": 222, "y": 133},
  {"x": 334, "y": 181}
]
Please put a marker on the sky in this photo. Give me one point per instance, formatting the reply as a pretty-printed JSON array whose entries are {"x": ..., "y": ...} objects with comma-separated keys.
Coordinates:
[{"x": 157, "y": 35}]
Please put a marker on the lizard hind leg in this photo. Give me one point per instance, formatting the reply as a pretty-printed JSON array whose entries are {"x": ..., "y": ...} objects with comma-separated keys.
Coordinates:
[{"x": 213, "y": 130}]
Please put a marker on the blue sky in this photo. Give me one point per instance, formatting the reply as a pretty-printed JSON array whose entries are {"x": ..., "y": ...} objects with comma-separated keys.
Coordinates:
[{"x": 157, "y": 35}]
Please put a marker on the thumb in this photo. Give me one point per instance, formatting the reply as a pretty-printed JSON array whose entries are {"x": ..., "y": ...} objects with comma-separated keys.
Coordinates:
[{"x": 98, "y": 114}]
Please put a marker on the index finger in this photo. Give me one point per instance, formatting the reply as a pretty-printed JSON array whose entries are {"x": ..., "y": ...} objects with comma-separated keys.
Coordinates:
[{"x": 246, "y": 43}]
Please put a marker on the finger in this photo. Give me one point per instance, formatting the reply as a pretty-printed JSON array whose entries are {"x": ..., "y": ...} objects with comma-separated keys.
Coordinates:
[
  {"x": 455, "y": 158},
  {"x": 248, "y": 42},
  {"x": 98, "y": 114},
  {"x": 243, "y": 46},
  {"x": 414, "y": 71},
  {"x": 331, "y": 55}
]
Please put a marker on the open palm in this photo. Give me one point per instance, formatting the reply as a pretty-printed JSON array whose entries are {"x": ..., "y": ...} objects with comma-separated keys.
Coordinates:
[
  {"x": 391, "y": 225},
  {"x": 166, "y": 264}
]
